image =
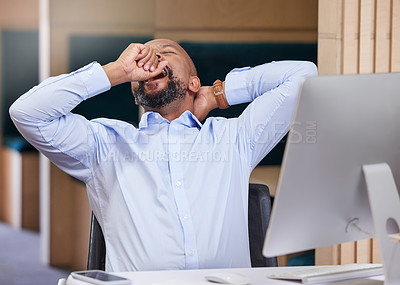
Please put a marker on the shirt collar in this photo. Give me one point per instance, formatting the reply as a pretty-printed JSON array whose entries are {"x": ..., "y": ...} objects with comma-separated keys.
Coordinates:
[{"x": 187, "y": 119}]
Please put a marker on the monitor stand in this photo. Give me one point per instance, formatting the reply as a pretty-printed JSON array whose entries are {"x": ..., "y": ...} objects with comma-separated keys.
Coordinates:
[{"x": 385, "y": 208}]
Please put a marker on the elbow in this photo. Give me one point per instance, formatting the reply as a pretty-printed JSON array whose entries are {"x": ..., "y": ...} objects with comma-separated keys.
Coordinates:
[
  {"x": 309, "y": 69},
  {"x": 15, "y": 111},
  {"x": 18, "y": 112},
  {"x": 22, "y": 109}
]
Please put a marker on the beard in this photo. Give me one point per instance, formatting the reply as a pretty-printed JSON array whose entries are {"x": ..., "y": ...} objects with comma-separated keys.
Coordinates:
[{"x": 176, "y": 89}]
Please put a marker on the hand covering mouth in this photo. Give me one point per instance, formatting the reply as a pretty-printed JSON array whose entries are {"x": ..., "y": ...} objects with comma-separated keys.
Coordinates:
[{"x": 163, "y": 74}]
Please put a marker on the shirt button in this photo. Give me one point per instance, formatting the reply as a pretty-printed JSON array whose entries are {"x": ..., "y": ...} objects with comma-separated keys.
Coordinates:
[
  {"x": 90, "y": 72},
  {"x": 175, "y": 154},
  {"x": 156, "y": 117},
  {"x": 191, "y": 252},
  {"x": 185, "y": 217},
  {"x": 178, "y": 183}
]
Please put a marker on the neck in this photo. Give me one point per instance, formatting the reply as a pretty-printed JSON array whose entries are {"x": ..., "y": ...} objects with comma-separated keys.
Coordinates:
[{"x": 176, "y": 108}]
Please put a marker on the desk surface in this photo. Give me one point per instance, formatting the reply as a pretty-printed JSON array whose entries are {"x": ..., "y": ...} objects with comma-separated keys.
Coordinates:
[{"x": 257, "y": 276}]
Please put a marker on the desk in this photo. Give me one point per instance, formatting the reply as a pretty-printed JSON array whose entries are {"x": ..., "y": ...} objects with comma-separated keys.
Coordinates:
[{"x": 257, "y": 276}]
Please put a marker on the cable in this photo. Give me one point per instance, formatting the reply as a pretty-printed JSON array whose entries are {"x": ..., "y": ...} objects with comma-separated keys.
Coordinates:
[{"x": 352, "y": 224}]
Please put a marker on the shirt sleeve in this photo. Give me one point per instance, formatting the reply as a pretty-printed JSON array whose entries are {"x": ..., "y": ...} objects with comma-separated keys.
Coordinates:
[
  {"x": 42, "y": 115},
  {"x": 272, "y": 89}
]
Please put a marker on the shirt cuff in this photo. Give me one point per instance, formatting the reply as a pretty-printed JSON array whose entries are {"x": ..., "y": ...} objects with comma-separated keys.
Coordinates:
[
  {"x": 94, "y": 78},
  {"x": 236, "y": 86}
]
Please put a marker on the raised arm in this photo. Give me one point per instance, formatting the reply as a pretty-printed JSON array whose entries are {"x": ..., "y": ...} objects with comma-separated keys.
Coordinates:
[
  {"x": 272, "y": 88},
  {"x": 43, "y": 117}
]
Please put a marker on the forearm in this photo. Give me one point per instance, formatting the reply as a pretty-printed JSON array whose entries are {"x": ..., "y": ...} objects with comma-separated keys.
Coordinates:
[
  {"x": 273, "y": 89},
  {"x": 57, "y": 96},
  {"x": 43, "y": 117},
  {"x": 245, "y": 84}
]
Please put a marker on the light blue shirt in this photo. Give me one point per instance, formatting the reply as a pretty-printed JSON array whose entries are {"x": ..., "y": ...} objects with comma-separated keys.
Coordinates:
[{"x": 168, "y": 195}]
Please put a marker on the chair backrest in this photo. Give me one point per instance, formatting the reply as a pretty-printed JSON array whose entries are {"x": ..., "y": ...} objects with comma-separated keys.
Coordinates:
[
  {"x": 259, "y": 214},
  {"x": 97, "y": 247}
]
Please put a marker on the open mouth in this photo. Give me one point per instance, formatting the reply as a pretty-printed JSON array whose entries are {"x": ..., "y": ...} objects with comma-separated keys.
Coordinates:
[{"x": 163, "y": 74}]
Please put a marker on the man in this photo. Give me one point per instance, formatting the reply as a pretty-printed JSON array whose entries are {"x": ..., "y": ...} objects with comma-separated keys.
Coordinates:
[{"x": 171, "y": 194}]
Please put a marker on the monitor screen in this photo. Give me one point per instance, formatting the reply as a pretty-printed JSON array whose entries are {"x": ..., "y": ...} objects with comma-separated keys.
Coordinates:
[{"x": 341, "y": 123}]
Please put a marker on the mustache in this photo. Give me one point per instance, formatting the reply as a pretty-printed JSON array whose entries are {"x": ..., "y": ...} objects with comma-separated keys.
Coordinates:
[
  {"x": 175, "y": 90},
  {"x": 170, "y": 75}
]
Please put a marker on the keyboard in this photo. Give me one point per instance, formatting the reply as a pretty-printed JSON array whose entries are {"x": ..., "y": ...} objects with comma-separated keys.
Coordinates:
[{"x": 316, "y": 275}]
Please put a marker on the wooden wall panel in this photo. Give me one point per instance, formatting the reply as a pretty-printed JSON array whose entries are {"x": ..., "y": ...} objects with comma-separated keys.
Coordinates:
[
  {"x": 95, "y": 17},
  {"x": 14, "y": 15},
  {"x": 20, "y": 192},
  {"x": 6, "y": 184},
  {"x": 382, "y": 64},
  {"x": 367, "y": 36},
  {"x": 350, "y": 65},
  {"x": 329, "y": 255},
  {"x": 376, "y": 256},
  {"x": 70, "y": 222},
  {"x": 367, "y": 65},
  {"x": 330, "y": 37},
  {"x": 351, "y": 36},
  {"x": 19, "y": 14},
  {"x": 267, "y": 175},
  {"x": 30, "y": 191},
  {"x": 348, "y": 253},
  {"x": 235, "y": 14},
  {"x": 395, "y": 33},
  {"x": 237, "y": 20},
  {"x": 370, "y": 43},
  {"x": 81, "y": 225},
  {"x": 239, "y": 36},
  {"x": 383, "y": 38},
  {"x": 61, "y": 222},
  {"x": 364, "y": 251}
]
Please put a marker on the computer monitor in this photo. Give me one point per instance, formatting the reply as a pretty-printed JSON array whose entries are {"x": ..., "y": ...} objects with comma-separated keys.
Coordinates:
[{"x": 341, "y": 124}]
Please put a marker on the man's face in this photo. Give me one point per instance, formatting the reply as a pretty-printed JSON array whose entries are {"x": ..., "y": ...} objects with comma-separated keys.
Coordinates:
[
  {"x": 172, "y": 83},
  {"x": 158, "y": 98}
]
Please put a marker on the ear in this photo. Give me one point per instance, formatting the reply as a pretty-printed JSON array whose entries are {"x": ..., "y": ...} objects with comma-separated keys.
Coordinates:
[
  {"x": 194, "y": 84},
  {"x": 134, "y": 85}
]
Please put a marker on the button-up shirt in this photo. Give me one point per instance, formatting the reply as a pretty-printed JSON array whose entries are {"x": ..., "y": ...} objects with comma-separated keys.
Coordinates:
[{"x": 168, "y": 195}]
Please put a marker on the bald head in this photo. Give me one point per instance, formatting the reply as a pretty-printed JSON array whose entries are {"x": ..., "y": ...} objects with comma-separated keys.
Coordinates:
[{"x": 162, "y": 44}]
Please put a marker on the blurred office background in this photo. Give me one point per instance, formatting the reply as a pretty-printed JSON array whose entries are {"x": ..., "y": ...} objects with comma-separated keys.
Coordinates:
[{"x": 50, "y": 209}]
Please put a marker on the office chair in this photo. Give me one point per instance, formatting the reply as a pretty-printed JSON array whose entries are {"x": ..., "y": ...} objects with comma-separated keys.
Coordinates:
[
  {"x": 97, "y": 247},
  {"x": 259, "y": 214}
]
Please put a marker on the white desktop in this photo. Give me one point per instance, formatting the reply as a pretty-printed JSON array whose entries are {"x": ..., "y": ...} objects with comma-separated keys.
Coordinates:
[{"x": 345, "y": 136}]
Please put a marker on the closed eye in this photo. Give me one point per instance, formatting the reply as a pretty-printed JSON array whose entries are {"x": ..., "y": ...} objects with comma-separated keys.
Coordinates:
[{"x": 168, "y": 52}]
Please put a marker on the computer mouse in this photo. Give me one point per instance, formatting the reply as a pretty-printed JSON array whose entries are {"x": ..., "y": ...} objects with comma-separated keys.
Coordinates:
[{"x": 228, "y": 278}]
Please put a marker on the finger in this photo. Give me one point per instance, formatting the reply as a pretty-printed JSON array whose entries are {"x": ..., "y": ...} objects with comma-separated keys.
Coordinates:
[
  {"x": 141, "y": 74},
  {"x": 140, "y": 58},
  {"x": 144, "y": 61},
  {"x": 161, "y": 65},
  {"x": 152, "y": 64}
]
